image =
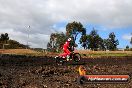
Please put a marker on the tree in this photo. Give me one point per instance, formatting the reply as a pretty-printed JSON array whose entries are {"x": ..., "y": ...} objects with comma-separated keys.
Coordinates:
[
  {"x": 10, "y": 44},
  {"x": 84, "y": 41},
  {"x": 4, "y": 38},
  {"x": 131, "y": 39},
  {"x": 101, "y": 44},
  {"x": 15, "y": 45},
  {"x": 60, "y": 40},
  {"x": 49, "y": 47},
  {"x": 73, "y": 29},
  {"x": 94, "y": 41},
  {"x": 111, "y": 42},
  {"x": 56, "y": 41},
  {"x": 106, "y": 44},
  {"x": 127, "y": 47}
]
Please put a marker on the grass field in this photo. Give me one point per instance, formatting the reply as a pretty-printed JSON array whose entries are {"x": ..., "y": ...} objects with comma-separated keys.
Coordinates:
[
  {"x": 84, "y": 53},
  {"x": 28, "y": 52},
  {"x": 105, "y": 53},
  {"x": 17, "y": 51}
]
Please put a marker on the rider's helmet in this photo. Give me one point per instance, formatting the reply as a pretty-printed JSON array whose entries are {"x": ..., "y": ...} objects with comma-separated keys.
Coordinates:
[{"x": 69, "y": 39}]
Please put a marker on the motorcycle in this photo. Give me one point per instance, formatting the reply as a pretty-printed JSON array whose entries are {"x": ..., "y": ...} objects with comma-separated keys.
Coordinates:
[{"x": 76, "y": 57}]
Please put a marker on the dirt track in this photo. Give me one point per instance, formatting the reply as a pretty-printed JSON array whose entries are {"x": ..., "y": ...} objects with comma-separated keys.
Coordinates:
[{"x": 42, "y": 72}]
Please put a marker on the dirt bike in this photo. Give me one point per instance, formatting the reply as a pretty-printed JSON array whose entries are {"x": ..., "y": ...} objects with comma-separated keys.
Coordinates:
[{"x": 76, "y": 57}]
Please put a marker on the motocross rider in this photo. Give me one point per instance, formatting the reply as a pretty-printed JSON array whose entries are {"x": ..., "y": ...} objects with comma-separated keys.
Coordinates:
[{"x": 66, "y": 50}]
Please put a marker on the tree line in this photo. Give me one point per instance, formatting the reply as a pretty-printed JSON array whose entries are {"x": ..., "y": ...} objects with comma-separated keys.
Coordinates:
[
  {"x": 7, "y": 43},
  {"x": 91, "y": 41}
]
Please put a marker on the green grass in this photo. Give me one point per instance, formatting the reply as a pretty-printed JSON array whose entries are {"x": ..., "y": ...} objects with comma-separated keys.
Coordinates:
[{"x": 107, "y": 54}]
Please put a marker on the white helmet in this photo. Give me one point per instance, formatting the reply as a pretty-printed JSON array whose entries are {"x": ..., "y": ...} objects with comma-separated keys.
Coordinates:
[{"x": 69, "y": 39}]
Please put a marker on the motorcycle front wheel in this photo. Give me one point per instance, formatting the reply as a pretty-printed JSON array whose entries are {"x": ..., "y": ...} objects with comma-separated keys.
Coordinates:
[{"x": 59, "y": 61}]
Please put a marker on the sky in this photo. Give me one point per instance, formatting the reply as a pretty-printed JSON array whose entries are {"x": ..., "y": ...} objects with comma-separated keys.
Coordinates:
[{"x": 50, "y": 16}]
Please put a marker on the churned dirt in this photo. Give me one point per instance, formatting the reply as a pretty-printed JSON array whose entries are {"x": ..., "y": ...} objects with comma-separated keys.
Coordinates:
[{"x": 17, "y": 71}]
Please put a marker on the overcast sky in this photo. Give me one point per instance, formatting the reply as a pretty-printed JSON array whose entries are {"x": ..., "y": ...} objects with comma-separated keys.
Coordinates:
[{"x": 47, "y": 16}]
